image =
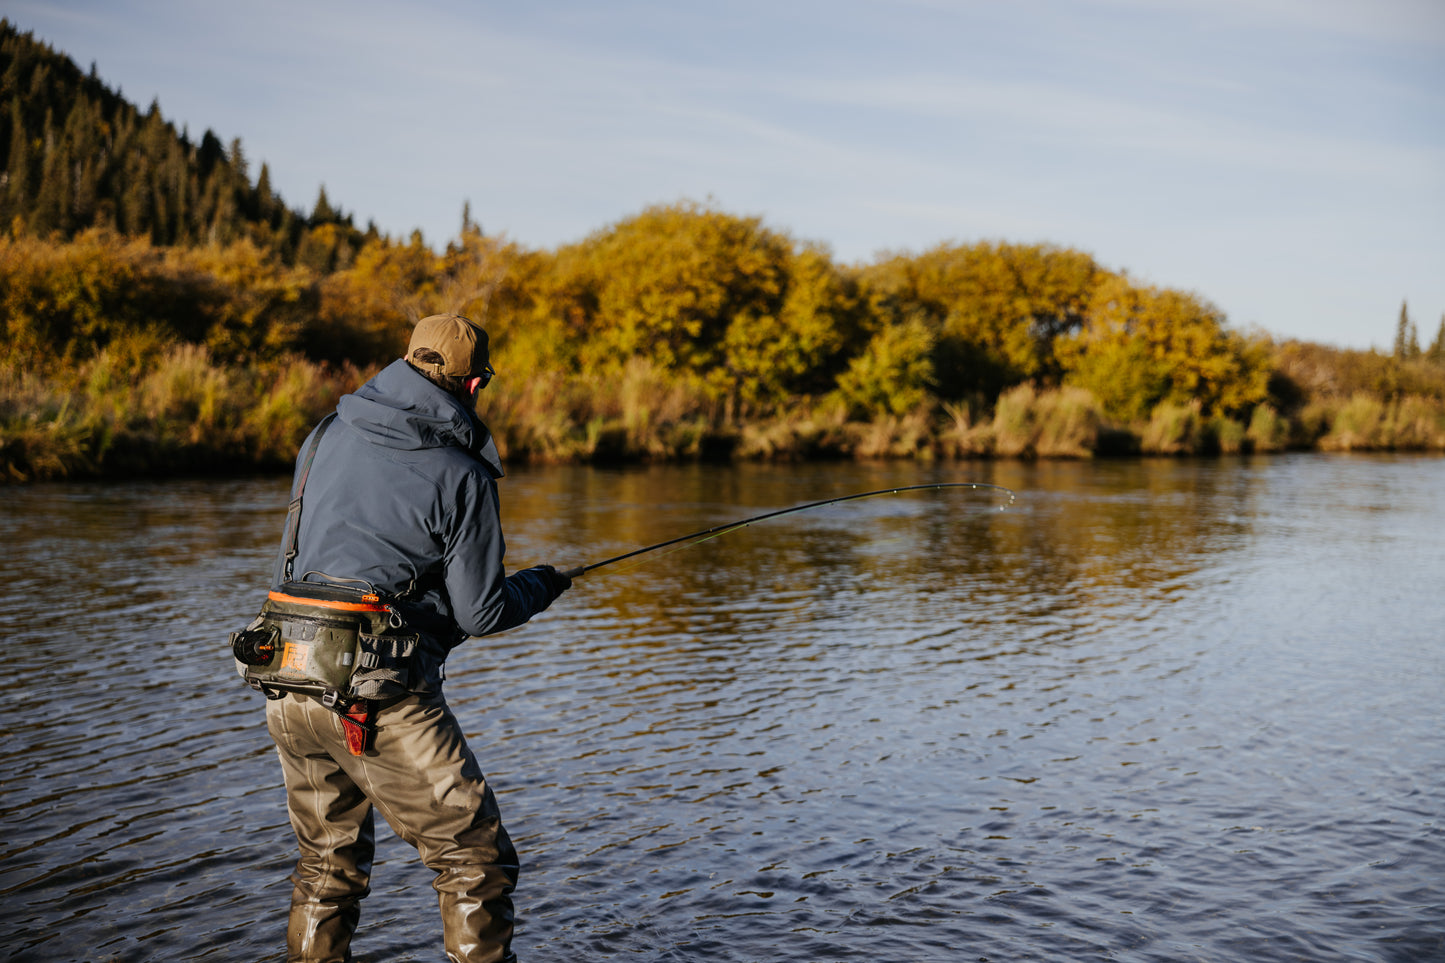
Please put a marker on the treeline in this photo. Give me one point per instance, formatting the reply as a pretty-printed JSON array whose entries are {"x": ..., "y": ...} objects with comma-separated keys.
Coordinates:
[
  {"x": 200, "y": 325},
  {"x": 78, "y": 156},
  {"x": 681, "y": 332}
]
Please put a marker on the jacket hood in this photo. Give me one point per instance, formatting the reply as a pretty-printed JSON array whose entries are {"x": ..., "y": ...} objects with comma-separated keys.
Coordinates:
[{"x": 399, "y": 408}]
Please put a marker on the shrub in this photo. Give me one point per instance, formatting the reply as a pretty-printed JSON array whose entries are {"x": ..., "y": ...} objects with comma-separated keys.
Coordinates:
[
  {"x": 1060, "y": 423},
  {"x": 1360, "y": 424},
  {"x": 892, "y": 436},
  {"x": 962, "y": 437},
  {"x": 1174, "y": 429},
  {"x": 1069, "y": 424},
  {"x": 1417, "y": 424},
  {"x": 894, "y": 374},
  {"x": 1227, "y": 435},
  {"x": 1267, "y": 431}
]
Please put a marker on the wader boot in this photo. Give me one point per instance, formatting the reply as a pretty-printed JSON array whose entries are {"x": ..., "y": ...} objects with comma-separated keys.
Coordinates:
[
  {"x": 318, "y": 933},
  {"x": 425, "y": 781},
  {"x": 476, "y": 914}
]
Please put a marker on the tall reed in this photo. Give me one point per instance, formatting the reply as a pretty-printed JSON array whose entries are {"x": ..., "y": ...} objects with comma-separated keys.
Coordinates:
[
  {"x": 179, "y": 412},
  {"x": 1268, "y": 430},
  {"x": 1417, "y": 424},
  {"x": 962, "y": 435},
  {"x": 636, "y": 412},
  {"x": 1360, "y": 424},
  {"x": 1364, "y": 422},
  {"x": 1173, "y": 429},
  {"x": 892, "y": 436},
  {"x": 1055, "y": 423}
]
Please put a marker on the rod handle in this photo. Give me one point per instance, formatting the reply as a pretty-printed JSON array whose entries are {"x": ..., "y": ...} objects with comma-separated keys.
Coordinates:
[{"x": 575, "y": 572}]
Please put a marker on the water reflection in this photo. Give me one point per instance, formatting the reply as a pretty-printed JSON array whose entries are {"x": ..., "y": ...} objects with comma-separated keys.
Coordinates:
[{"x": 1155, "y": 710}]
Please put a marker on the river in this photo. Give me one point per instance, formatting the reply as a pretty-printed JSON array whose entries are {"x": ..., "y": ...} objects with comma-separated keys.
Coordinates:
[{"x": 1154, "y": 710}]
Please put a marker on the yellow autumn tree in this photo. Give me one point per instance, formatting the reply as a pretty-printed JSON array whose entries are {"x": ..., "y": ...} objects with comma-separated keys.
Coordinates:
[
  {"x": 995, "y": 309},
  {"x": 668, "y": 286},
  {"x": 668, "y": 282},
  {"x": 366, "y": 311},
  {"x": 773, "y": 359},
  {"x": 1141, "y": 345},
  {"x": 256, "y": 306}
]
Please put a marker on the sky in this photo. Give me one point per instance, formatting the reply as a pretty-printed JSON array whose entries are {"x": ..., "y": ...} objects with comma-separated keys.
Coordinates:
[{"x": 1282, "y": 159}]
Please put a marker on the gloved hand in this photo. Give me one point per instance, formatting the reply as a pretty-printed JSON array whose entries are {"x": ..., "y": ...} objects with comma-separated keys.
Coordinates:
[
  {"x": 560, "y": 582},
  {"x": 557, "y": 583}
]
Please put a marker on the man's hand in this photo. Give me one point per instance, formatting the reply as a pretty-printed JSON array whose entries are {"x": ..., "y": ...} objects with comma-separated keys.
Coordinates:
[
  {"x": 556, "y": 582},
  {"x": 559, "y": 582}
]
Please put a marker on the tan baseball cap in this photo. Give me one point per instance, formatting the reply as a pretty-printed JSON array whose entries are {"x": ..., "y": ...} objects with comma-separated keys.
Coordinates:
[{"x": 460, "y": 341}]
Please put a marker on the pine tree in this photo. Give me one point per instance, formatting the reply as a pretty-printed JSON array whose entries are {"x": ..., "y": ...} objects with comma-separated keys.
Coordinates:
[
  {"x": 1402, "y": 332},
  {"x": 323, "y": 212},
  {"x": 184, "y": 188},
  {"x": 18, "y": 176},
  {"x": 1437, "y": 347},
  {"x": 209, "y": 154},
  {"x": 236, "y": 155},
  {"x": 265, "y": 200},
  {"x": 81, "y": 139},
  {"x": 53, "y": 199},
  {"x": 469, "y": 226},
  {"x": 8, "y": 127},
  {"x": 133, "y": 213}
]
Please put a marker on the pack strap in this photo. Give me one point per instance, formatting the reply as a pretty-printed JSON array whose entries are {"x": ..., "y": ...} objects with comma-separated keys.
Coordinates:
[{"x": 293, "y": 510}]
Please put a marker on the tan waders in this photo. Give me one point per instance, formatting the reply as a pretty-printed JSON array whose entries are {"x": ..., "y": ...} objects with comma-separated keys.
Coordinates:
[{"x": 427, "y": 784}]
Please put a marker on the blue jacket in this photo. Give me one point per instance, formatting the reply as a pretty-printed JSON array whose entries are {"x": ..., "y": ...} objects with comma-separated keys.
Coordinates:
[{"x": 403, "y": 494}]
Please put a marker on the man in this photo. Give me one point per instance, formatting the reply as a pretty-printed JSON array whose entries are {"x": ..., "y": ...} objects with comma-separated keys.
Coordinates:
[{"x": 401, "y": 494}]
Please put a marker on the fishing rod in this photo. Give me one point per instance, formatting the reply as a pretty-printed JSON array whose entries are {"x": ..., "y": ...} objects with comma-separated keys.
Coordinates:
[{"x": 718, "y": 530}]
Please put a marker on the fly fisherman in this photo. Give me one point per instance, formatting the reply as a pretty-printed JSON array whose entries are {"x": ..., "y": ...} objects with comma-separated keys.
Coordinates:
[{"x": 400, "y": 496}]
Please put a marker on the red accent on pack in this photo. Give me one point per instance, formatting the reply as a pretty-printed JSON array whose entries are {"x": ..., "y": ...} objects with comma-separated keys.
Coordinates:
[{"x": 358, "y": 738}]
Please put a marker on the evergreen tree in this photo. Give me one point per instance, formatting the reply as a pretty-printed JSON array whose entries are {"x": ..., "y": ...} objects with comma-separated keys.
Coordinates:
[
  {"x": 236, "y": 154},
  {"x": 52, "y": 202},
  {"x": 322, "y": 213},
  {"x": 266, "y": 206},
  {"x": 1402, "y": 332},
  {"x": 14, "y": 199},
  {"x": 469, "y": 226},
  {"x": 1437, "y": 347},
  {"x": 209, "y": 154},
  {"x": 133, "y": 210},
  {"x": 265, "y": 197},
  {"x": 8, "y": 123},
  {"x": 82, "y": 140}
]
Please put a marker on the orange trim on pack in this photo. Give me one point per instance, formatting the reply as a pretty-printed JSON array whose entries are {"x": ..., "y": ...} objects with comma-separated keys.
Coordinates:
[{"x": 328, "y": 604}]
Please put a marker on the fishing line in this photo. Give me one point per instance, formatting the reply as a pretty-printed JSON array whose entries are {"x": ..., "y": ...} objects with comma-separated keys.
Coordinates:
[{"x": 683, "y": 541}]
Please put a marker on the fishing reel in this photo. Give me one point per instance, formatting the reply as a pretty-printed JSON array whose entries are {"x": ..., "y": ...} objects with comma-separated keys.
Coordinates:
[{"x": 255, "y": 646}]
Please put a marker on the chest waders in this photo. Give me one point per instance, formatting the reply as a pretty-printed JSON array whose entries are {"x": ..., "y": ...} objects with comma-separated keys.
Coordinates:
[{"x": 344, "y": 644}]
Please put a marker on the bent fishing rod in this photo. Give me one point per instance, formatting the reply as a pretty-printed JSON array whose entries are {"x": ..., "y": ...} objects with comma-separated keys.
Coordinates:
[{"x": 718, "y": 530}]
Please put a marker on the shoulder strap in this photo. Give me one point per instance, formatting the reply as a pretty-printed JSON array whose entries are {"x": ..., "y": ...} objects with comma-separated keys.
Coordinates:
[{"x": 293, "y": 510}]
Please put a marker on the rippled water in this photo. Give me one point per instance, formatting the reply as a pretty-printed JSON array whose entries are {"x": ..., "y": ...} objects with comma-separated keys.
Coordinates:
[{"x": 1156, "y": 710}]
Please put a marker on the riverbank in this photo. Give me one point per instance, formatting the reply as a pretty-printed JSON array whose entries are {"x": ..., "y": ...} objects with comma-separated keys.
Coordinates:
[
  {"x": 180, "y": 413},
  {"x": 684, "y": 333}
]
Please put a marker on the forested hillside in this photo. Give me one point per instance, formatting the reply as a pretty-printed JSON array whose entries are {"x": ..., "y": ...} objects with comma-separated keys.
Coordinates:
[
  {"x": 163, "y": 312},
  {"x": 79, "y": 156}
]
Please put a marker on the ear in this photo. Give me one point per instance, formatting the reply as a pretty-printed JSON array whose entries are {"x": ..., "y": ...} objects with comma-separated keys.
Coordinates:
[{"x": 472, "y": 384}]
